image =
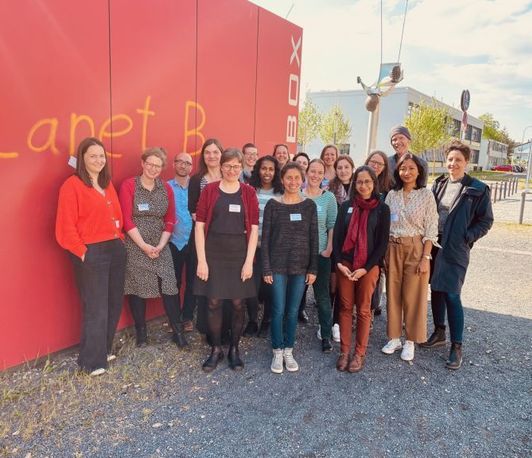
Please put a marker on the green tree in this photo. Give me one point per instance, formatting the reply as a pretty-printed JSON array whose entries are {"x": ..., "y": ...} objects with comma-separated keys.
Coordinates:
[
  {"x": 430, "y": 126},
  {"x": 335, "y": 127},
  {"x": 492, "y": 128},
  {"x": 308, "y": 127}
]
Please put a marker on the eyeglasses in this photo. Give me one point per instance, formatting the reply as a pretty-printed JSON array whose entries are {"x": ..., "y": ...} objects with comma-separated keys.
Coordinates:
[
  {"x": 151, "y": 165},
  {"x": 228, "y": 167},
  {"x": 364, "y": 182},
  {"x": 185, "y": 163},
  {"x": 376, "y": 163}
]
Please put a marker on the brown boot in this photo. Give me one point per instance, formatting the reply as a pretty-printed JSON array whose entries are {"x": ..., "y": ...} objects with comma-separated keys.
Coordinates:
[
  {"x": 342, "y": 362},
  {"x": 356, "y": 364}
]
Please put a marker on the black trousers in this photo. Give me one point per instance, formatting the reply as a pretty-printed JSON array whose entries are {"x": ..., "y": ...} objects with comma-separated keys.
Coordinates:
[
  {"x": 100, "y": 281},
  {"x": 182, "y": 259}
]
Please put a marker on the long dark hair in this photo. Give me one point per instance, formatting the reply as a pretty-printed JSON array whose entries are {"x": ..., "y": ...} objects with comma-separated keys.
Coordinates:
[
  {"x": 373, "y": 176},
  {"x": 335, "y": 183},
  {"x": 202, "y": 166},
  {"x": 420, "y": 178},
  {"x": 255, "y": 181},
  {"x": 104, "y": 177},
  {"x": 384, "y": 179}
]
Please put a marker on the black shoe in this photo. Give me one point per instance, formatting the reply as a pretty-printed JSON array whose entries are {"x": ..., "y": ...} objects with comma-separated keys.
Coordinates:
[
  {"x": 212, "y": 361},
  {"x": 142, "y": 336},
  {"x": 251, "y": 329},
  {"x": 264, "y": 330},
  {"x": 455, "y": 357},
  {"x": 326, "y": 346},
  {"x": 377, "y": 311},
  {"x": 235, "y": 362},
  {"x": 436, "y": 339},
  {"x": 179, "y": 339},
  {"x": 302, "y": 317}
]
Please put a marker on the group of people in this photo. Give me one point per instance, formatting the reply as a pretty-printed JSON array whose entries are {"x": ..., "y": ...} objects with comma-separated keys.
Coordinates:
[{"x": 245, "y": 231}]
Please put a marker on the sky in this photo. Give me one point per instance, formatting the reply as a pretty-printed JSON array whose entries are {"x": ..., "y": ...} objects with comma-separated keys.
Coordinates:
[{"x": 449, "y": 45}]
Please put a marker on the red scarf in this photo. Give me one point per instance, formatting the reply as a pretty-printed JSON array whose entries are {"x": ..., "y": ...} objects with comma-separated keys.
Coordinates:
[{"x": 357, "y": 233}]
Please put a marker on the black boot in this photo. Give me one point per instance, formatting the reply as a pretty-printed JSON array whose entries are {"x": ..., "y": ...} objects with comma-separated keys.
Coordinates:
[
  {"x": 326, "y": 346},
  {"x": 142, "y": 336},
  {"x": 251, "y": 329},
  {"x": 436, "y": 339},
  {"x": 212, "y": 361},
  {"x": 233, "y": 356},
  {"x": 179, "y": 336},
  {"x": 264, "y": 329},
  {"x": 455, "y": 357}
]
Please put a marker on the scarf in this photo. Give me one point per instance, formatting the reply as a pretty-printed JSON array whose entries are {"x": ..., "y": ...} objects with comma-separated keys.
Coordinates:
[{"x": 357, "y": 233}]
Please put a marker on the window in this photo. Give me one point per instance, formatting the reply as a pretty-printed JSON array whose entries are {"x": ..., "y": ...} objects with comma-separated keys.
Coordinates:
[{"x": 344, "y": 148}]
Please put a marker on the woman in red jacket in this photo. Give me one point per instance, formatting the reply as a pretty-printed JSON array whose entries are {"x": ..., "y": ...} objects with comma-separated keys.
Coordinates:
[
  {"x": 89, "y": 226},
  {"x": 227, "y": 227}
]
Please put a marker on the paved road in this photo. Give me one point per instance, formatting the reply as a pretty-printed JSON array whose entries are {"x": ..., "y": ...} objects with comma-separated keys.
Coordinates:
[{"x": 157, "y": 402}]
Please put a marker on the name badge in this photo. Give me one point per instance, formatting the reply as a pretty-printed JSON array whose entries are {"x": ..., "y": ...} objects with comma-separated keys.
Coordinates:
[
  {"x": 143, "y": 207},
  {"x": 295, "y": 217},
  {"x": 350, "y": 210},
  {"x": 234, "y": 208},
  {"x": 117, "y": 223},
  {"x": 394, "y": 217}
]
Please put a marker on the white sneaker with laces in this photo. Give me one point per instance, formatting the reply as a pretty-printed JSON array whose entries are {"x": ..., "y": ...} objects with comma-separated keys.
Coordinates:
[
  {"x": 97, "y": 372},
  {"x": 289, "y": 361},
  {"x": 336, "y": 332},
  {"x": 392, "y": 346},
  {"x": 408, "y": 351},
  {"x": 277, "y": 362},
  {"x": 318, "y": 334}
]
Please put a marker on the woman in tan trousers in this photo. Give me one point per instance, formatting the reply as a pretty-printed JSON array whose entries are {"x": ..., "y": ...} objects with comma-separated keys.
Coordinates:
[{"x": 413, "y": 231}]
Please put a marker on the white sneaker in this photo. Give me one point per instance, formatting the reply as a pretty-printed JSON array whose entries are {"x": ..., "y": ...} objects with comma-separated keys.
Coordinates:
[
  {"x": 97, "y": 372},
  {"x": 277, "y": 362},
  {"x": 289, "y": 361},
  {"x": 318, "y": 334},
  {"x": 391, "y": 346},
  {"x": 408, "y": 351},
  {"x": 336, "y": 332},
  {"x": 111, "y": 358}
]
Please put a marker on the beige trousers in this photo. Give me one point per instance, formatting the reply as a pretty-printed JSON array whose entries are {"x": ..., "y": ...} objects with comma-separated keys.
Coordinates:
[{"x": 406, "y": 289}]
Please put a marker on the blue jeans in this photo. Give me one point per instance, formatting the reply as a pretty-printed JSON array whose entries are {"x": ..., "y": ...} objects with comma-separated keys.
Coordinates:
[
  {"x": 451, "y": 302},
  {"x": 287, "y": 291}
]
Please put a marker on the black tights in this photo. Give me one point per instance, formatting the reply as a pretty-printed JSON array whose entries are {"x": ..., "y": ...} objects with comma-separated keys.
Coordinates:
[
  {"x": 215, "y": 319},
  {"x": 137, "y": 306}
]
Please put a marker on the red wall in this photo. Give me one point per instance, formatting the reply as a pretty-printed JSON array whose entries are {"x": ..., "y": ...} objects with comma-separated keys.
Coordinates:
[{"x": 135, "y": 74}]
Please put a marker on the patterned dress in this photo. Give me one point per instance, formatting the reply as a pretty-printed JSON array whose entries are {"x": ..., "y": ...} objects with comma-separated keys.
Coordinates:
[{"x": 142, "y": 272}]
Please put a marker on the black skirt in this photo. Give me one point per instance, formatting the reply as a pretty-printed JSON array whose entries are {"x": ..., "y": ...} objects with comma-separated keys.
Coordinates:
[{"x": 225, "y": 258}]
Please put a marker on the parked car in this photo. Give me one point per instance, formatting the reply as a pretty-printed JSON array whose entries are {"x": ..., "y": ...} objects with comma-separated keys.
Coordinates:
[{"x": 502, "y": 168}]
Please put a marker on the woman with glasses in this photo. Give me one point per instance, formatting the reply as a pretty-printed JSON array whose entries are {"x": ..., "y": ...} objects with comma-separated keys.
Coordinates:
[
  {"x": 227, "y": 226},
  {"x": 378, "y": 161},
  {"x": 360, "y": 240},
  {"x": 149, "y": 217}
]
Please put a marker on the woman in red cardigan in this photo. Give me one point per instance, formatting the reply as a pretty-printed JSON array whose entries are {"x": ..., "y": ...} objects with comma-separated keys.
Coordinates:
[
  {"x": 89, "y": 226},
  {"x": 227, "y": 227}
]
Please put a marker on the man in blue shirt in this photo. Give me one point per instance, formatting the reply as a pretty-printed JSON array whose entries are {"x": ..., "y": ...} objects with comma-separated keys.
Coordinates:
[{"x": 180, "y": 237}]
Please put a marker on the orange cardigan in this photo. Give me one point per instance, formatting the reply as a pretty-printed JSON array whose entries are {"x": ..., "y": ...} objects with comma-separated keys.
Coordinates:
[{"x": 86, "y": 216}]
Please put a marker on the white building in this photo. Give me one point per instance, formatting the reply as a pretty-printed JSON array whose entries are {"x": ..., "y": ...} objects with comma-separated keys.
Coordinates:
[
  {"x": 492, "y": 153},
  {"x": 394, "y": 109}
]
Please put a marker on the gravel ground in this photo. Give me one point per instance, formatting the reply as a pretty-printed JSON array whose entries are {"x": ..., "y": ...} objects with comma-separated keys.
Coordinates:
[{"x": 157, "y": 402}]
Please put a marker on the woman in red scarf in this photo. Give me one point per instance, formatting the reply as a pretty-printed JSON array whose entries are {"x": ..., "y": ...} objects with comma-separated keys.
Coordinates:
[{"x": 360, "y": 240}]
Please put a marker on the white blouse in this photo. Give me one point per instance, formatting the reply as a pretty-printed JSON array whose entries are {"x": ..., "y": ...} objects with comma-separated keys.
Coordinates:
[{"x": 415, "y": 214}]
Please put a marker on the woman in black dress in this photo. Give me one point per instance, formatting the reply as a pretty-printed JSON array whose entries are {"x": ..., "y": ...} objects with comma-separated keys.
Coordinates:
[{"x": 227, "y": 226}]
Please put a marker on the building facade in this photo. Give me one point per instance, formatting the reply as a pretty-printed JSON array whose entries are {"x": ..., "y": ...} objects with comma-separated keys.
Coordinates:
[
  {"x": 492, "y": 153},
  {"x": 394, "y": 109}
]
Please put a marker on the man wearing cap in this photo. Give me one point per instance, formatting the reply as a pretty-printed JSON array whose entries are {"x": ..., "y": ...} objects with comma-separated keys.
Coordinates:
[{"x": 400, "y": 139}]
